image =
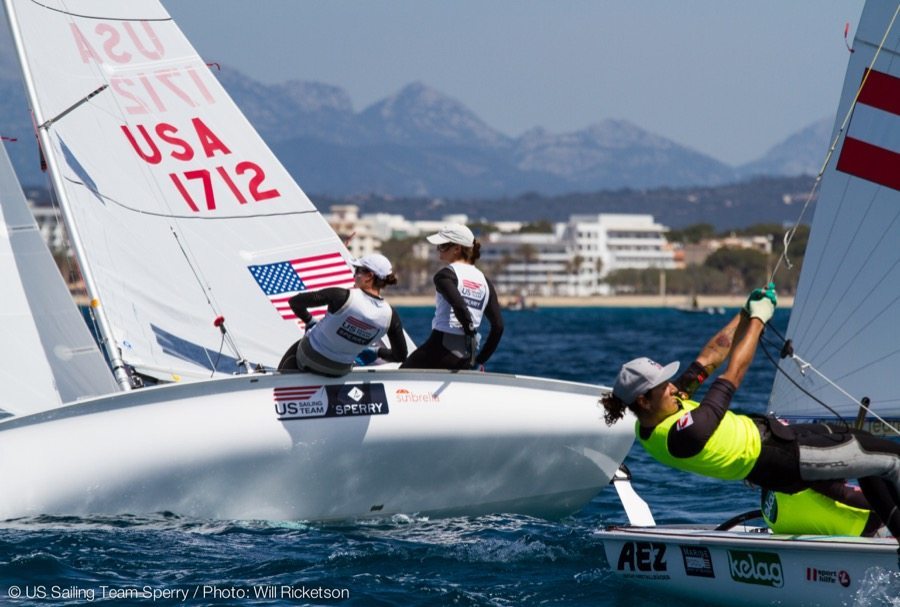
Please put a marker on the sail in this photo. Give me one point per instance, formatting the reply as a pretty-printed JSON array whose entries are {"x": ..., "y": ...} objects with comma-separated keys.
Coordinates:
[
  {"x": 846, "y": 316},
  {"x": 48, "y": 356},
  {"x": 179, "y": 211}
]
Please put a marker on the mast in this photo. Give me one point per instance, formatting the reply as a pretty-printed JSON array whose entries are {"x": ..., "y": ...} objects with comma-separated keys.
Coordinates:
[{"x": 43, "y": 132}]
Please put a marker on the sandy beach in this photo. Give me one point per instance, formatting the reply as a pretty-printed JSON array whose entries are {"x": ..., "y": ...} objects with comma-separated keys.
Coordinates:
[{"x": 610, "y": 301}]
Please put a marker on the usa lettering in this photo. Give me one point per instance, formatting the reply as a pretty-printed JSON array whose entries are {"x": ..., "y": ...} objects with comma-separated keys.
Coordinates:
[
  {"x": 642, "y": 556},
  {"x": 240, "y": 181},
  {"x": 119, "y": 42}
]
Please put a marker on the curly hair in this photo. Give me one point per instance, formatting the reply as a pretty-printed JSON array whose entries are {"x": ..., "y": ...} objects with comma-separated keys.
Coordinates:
[{"x": 614, "y": 408}]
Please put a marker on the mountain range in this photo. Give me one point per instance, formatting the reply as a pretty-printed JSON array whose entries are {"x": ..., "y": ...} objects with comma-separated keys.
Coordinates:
[{"x": 421, "y": 142}]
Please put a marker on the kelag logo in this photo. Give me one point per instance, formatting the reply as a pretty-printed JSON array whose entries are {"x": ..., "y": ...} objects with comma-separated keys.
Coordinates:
[{"x": 760, "y": 568}]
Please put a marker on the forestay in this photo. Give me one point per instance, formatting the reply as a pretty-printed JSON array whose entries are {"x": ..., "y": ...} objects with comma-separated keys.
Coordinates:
[
  {"x": 48, "y": 356},
  {"x": 180, "y": 211},
  {"x": 846, "y": 316}
]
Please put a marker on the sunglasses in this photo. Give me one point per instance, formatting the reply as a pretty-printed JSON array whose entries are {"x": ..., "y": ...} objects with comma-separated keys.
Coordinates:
[
  {"x": 360, "y": 270},
  {"x": 446, "y": 246}
]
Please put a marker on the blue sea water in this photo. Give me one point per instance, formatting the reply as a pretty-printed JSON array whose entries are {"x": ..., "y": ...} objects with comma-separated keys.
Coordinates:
[{"x": 499, "y": 560}]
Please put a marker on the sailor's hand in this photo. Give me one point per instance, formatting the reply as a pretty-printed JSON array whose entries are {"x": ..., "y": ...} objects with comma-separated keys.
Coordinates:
[
  {"x": 366, "y": 357},
  {"x": 761, "y": 303}
]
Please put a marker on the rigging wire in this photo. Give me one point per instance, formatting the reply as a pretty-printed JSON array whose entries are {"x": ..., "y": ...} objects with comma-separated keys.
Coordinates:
[
  {"x": 790, "y": 233},
  {"x": 219, "y": 321}
]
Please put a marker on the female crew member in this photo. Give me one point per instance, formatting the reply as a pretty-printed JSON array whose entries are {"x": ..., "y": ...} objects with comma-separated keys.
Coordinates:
[
  {"x": 464, "y": 296},
  {"x": 356, "y": 319},
  {"x": 707, "y": 438}
]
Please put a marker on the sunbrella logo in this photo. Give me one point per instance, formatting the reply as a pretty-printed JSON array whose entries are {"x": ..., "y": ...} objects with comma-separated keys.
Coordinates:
[{"x": 761, "y": 568}]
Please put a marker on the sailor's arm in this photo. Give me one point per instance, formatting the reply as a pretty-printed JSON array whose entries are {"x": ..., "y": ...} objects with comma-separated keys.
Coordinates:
[
  {"x": 743, "y": 351},
  {"x": 711, "y": 356}
]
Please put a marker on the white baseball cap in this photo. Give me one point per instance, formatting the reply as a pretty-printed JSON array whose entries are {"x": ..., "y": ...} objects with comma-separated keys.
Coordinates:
[
  {"x": 640, "y": 375},
  {"x": 456, "y": 233},
  {"x": 376, "y": 263}
]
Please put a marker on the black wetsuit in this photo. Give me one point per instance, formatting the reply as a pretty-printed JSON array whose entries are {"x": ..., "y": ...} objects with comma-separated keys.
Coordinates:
[
  {"x": 798, "y": 456},
  {"x": 433, "y": 354},
  {"x": 335, "y": 298}
]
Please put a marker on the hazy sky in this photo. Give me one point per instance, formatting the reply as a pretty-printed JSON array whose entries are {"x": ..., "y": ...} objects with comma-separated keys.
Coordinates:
[{"x": 726, "y": 78}]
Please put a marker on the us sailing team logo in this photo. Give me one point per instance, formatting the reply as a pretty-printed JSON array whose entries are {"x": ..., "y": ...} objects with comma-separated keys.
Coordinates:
[
  {"x": 358, "y": 331},
  {"x": 473, "y": 293},
  {"x": 348, "y": 400}
]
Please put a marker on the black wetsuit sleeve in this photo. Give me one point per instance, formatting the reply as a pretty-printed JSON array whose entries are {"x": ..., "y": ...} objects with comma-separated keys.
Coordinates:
[
  {"x": 333, "y": 297},
  {"x": 446, "y": 283},
  {"x": 689, "y": 381},
  {"x": 398, "y": 351},
  {"x": 494, "y": 316},
  {"x": 686, "y": 440}
]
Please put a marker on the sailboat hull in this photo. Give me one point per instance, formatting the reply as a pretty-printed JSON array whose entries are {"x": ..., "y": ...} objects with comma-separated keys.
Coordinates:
[
  {"x": 749, "y": 567},
  {"x": 304, "y": 447}
]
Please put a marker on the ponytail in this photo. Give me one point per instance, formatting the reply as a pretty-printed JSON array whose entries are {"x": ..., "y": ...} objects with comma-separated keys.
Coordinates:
[
  {"x": 473, "y": 253},
  {"x": 614, "y": 408},
  {"x": 380, "y": 283}
]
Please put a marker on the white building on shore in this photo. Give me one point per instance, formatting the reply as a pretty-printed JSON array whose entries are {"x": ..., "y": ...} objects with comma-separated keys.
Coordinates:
[{"x": 574, "y": 259}]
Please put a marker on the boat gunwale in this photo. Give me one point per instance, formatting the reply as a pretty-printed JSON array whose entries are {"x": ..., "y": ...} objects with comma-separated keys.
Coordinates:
[{"x": 166, "y": 393}]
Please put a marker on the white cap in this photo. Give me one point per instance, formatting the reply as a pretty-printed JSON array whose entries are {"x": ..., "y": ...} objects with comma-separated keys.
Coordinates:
[
  {"x": 456, "y": 233},
  {"x": 639, "y": 376},
  {"x": 376, "y": 263}
]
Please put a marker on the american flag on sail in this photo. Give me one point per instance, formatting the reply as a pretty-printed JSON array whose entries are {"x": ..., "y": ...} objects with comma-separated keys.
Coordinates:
[
  {"x": 871, "y": 148},
  {"x": 283, "y": 279}
]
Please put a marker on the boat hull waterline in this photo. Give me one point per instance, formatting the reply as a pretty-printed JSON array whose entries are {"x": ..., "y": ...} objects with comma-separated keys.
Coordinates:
[{"x": 305, "y": 447}]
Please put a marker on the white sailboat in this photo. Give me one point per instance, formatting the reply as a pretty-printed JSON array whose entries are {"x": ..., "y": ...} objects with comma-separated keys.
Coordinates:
[
  {"x": 185, "y": 224},
  {"x": 845, "y": 334}
]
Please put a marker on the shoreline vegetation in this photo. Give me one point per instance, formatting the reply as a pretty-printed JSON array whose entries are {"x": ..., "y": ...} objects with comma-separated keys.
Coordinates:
[{"x": 604, "y": 301}]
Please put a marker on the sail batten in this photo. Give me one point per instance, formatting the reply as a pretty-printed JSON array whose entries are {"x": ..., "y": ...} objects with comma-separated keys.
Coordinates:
[{"x": 846, "y": 315}]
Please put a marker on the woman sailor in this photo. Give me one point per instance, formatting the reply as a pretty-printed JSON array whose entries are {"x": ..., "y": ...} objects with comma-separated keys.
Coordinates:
[
  {"x": 707, "y": 438},
  {"x": 356, "y": 319},
  {"x": 464, "y": 297}
]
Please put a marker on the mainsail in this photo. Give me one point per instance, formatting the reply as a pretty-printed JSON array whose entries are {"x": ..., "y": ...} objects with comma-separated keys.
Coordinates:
[
  {"x": 180, "y": 213},
  {"x": 48, "y": 355},
  {"x": 846, "y": 317}
]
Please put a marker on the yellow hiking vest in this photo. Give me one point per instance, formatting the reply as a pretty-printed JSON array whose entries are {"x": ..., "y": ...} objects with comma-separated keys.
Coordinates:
[
  {"x": 730, "y": 453},
  {"x": 808, "y": 512}
]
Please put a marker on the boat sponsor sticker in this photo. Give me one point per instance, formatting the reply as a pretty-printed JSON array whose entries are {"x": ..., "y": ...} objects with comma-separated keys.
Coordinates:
[
  {"x": 828, "y": 576},
  {"x": 402, "y": 395},
  {"x": 646, "y": 560},
  {"x": 697, "y": 561},
  {"x": 340, "y": 400},
  {"x": 759, "y": 568}
]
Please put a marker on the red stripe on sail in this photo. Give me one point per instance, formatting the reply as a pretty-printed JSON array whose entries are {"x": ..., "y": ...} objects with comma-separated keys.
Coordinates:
[
  {"x": 881, "y": 91},
  {"x": 870, "y": 162}
]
